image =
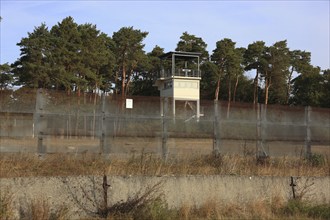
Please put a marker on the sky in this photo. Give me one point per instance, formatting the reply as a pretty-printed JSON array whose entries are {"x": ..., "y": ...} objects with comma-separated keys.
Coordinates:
[{"x": 304, "y": 24}]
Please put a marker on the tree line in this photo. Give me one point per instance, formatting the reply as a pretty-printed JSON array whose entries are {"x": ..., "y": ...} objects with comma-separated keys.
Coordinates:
[{"x": 79, "y": 58}]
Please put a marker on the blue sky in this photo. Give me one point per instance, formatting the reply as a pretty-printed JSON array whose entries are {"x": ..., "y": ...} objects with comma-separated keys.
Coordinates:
[{"x": 304, "y": 24}]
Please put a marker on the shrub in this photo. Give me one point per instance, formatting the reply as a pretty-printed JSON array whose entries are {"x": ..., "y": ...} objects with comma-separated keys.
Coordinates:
[
  {"x": 156, "y": 209},
  {"x": 319, "y": 211},
  {"x": 297, "y": 207},
  {"x": 316, "y": 160},
  {"x": 147, "y": 204}
]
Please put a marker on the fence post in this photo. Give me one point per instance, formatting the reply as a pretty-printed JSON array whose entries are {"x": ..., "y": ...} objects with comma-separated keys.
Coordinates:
[
  {"x": 103, "y": 145},
  {"x": 39, "y": 121},
  {"x": 293, "y": 185},
  {"x": 105, "y": 187},
  {"x": 216, "y": 129},
  {"x": 308, "y": 150},
  {"x": 261, "y": 130},
  {"x": 164, "y": 128},
  {"x": 264, "y": 129}
]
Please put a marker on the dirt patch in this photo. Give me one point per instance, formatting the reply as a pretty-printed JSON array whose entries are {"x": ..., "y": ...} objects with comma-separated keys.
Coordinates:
[{"x": 130, "y": 145}]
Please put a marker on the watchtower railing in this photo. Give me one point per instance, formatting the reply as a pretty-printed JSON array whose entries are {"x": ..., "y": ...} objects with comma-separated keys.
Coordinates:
[{"x": 180, "y": 72}]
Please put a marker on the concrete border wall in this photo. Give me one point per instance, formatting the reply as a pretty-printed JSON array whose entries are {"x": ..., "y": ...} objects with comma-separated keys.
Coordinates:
[{"x": 83, "y": 192}]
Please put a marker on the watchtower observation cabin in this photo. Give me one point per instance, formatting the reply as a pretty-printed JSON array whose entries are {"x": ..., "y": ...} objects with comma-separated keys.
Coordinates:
[{"x": 179, "y": 79}]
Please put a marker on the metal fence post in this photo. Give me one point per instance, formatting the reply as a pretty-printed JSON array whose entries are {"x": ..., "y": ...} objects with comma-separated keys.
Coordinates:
[
  {"x": 216, "y": 129},
  {"x": 39, "y": 118},
  {"x": 264, "y": 129},
  {"x": 261, "y": 130},
  {"x": 105, "y": 149},
  {"x": 258, "y": 130},
  {"x": 308, "y": 150},
  {"x": 164, "y": 128}
]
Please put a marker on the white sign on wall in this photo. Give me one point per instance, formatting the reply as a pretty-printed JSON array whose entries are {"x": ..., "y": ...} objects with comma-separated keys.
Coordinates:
[{"x": 129, "y": 103}]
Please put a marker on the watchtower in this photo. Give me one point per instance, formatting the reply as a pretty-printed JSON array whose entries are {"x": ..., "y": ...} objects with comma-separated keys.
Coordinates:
[{"x": 179, "y": 79}]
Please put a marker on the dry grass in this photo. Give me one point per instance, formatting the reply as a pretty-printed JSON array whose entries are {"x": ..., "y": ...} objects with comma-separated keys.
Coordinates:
[
  {"x": 155, "y": 209},
  {"x": 138, "y": 205},
  {"x": 37, "y": 209},
  {"x": 150, "y": 205},
  {"x": 276, "y": 208},
  {"x": 20, "y": 165},
  {"x": 6, "y": 209}
]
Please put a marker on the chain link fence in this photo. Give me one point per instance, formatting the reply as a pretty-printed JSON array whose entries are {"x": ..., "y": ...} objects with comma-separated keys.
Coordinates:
[{"x": 44, "y": 121}]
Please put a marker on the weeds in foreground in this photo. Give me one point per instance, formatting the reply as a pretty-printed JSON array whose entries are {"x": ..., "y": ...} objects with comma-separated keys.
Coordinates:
[
  {"x": 293, "y": 209},
  {"x": 37, "y": 209},
  {"x": 40, "y": 209},
  {"x": 150, "y": 204},
  {"x": 18, "y": 165},
  {"x": 6, "y": 210},
  {"x": 296, "y": 207},
  {"x": 147, "y": 204}
]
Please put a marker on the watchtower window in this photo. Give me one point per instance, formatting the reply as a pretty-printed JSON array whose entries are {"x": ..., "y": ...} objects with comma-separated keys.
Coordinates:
[{"x": 183, "y": 64}]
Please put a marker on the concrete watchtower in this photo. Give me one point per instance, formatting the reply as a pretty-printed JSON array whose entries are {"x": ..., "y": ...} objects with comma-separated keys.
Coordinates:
[{"x": 179, "y": 78}]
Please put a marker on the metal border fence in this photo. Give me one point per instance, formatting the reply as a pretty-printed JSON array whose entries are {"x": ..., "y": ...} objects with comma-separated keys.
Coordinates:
[{"x": 44, "y": 121}]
